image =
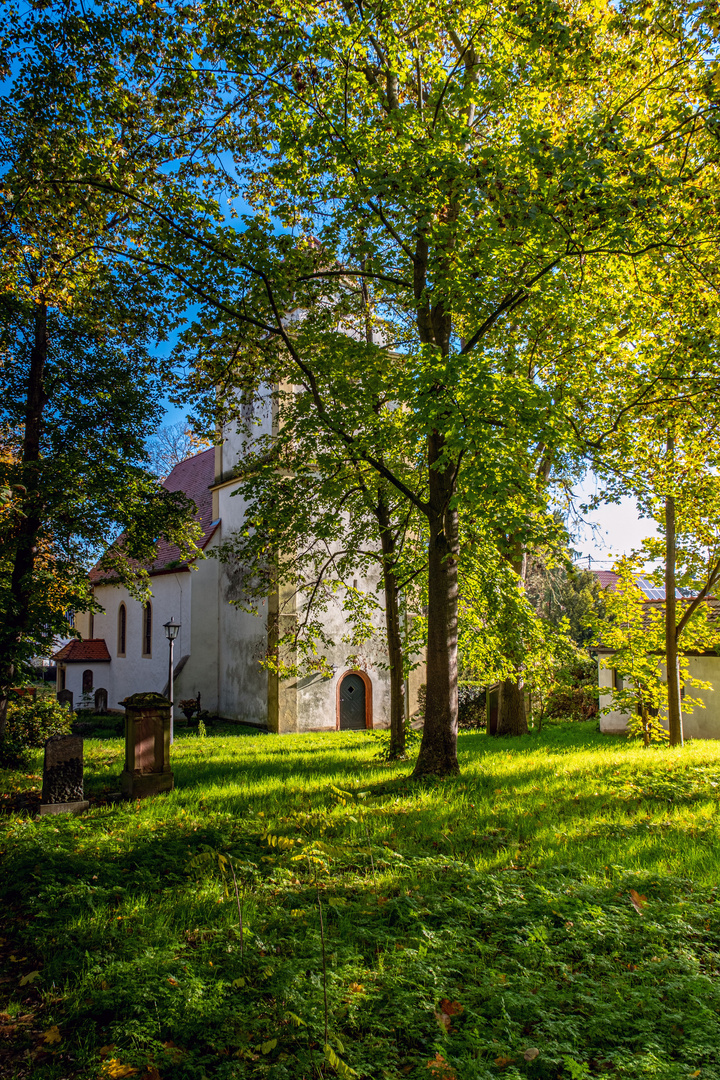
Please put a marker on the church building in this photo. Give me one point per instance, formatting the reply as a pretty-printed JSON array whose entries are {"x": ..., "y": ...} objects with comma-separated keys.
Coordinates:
[{"x": 219, "y": 647}]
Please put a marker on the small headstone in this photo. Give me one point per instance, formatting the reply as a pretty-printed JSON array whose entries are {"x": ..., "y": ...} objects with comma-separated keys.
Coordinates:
[
  {"x": 147, "y": 746},
  {"x": 101, "y": 698},
  {"x": 62, "y": 791},
  {"x": 65, "y": 697}
]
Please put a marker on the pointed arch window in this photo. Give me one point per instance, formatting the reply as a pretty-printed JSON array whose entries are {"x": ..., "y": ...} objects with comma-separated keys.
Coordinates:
[
  {"x": 147, "y": 629},
  {"x": 122, "y": 630}
]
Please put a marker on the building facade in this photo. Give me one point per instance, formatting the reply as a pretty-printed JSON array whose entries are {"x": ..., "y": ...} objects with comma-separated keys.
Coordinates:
[{"x": 219, "y": 647}]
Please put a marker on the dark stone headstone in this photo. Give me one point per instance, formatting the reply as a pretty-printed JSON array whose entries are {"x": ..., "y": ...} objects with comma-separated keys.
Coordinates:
[
  {"x": 147, "y": 746},
  {"x": 62, "y": 790},
  {"x": 65, "y": 697},
  {"x": 101, "y": 698}
]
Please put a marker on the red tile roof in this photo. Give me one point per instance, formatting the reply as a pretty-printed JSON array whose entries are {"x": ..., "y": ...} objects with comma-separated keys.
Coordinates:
[
  {"x": 607, "y": 579},
  {"x": 76, "y": 652},
  {"x": 193, "y": 477}
]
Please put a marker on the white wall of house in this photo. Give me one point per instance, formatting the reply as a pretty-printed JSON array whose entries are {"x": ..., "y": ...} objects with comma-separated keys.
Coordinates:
[
  {"x": 74, "y": 680},
  {"x": 702, "y": 723}
]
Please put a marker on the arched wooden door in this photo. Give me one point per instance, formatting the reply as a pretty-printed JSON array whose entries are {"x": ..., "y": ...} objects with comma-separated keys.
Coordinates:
[{"x": 352, "y": 703}]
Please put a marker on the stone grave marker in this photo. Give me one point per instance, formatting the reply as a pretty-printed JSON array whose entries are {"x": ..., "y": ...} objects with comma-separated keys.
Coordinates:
[
  {"x": 147, "y": 746},
  {"x": 65, "y": 697},
  {"x": 62, "y": 790},
  {"x": 101, "y": 699}
]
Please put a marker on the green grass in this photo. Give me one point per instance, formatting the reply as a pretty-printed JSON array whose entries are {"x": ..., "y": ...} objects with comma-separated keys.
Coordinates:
[{"x": 559, "y": 896}]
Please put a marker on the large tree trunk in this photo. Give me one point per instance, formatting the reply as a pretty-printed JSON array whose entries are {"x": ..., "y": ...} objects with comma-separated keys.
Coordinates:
[
  {"x": 438, "y": 749},
  {"x": 512, "y": 719},
  {"x": 671, "y": 649},
  {"x": 394, "y": 638},
  {"x": 27, "y": 527}
]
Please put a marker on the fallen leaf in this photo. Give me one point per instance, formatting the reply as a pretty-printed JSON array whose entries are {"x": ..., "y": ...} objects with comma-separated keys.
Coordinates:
[
  {"x": 52, "y": 1035},
  {"x": 452, "y": 1008},
  {"x": 501, "y": 1062},
  {"x": 637, "y": 901},
  {"x": 356, "y": 988},
  {"x": 115, "y": 1069},
  {"x": 17, "y": 959},
  {"x": 174, "y": 1052},
  {"x": 440, "y": 1069},
  {"x": 29, "y": 978},
  {"x": 173, "y": 982},
  {"x": 531, "y": 1053}
]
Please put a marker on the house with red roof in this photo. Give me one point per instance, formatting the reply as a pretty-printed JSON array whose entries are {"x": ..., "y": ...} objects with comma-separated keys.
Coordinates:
[{"x": 219, "y": 647}]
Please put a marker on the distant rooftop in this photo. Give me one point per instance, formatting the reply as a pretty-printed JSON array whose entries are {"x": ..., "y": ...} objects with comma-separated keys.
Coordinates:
[{"x": 608, "y": 579}]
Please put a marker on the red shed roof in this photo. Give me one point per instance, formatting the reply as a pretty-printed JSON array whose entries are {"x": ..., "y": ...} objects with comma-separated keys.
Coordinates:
[
  {"x": 193, "y": 477},
  {"x": 76, "y": 652}
]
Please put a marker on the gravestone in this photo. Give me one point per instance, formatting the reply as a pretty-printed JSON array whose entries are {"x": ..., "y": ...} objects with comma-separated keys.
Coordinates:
[
  {"x": 62, "y": 790},
  {"x": 65, "y": 697},
  {"x": 147, "y": 746},
  {"x": 101, "y": 697}
]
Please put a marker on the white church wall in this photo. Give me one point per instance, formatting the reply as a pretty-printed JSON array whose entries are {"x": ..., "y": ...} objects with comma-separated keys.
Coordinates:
[
  {"x": 200, "y": 673},
  {"x": 241, "y": 636},
  {"x": 134, "y": 673},
  {"x": 233, "y": 448},
  {"x": 317, "y": 696}
]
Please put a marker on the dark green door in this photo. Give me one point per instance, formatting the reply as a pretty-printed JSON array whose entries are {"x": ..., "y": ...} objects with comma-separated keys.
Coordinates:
[{"x": 352, "y": 703}]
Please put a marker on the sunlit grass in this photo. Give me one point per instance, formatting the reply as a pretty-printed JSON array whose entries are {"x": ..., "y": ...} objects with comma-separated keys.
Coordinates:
[{"x": 137, "y": 947}]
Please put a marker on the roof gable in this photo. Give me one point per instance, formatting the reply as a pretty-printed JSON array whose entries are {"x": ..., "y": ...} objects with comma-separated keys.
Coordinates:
[
  {"x": 193, "y": 477},
  {"x": 76, "y": 652}
]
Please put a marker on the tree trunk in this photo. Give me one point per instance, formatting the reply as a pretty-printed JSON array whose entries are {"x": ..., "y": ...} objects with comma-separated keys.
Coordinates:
[
  {"x": 671, "y": 649},
  {"x": 394, "y": 639},
  {"x": 512, "y": 719},
  {"x": 28, "y": 521},
  {"x": 438, "y": 749}
]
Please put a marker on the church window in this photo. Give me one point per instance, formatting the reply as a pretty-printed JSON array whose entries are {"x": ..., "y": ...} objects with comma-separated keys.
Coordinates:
[
  {"x": 147, "y": 629},
  {"x": 87, "y": 682},
  {"x": 122, "y": 629}
]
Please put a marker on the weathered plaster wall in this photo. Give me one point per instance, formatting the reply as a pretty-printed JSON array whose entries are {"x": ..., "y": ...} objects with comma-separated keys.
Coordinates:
[{"x": 317, "y": 696}]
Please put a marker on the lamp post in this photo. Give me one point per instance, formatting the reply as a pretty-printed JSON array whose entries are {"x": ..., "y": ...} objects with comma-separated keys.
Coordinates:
[{"x": 171, "y": 632}]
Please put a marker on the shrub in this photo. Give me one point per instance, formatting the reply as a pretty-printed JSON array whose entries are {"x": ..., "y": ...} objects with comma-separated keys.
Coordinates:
[
  {"x": 29, "y": 724},
  {"x": 472, "y": 713},
  {"x": 572, "y": 703},
  {"x": 471, "y": 705}
]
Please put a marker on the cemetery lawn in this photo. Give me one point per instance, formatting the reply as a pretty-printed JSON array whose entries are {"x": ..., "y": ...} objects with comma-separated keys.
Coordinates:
[{"x": 552, "y": 912}]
